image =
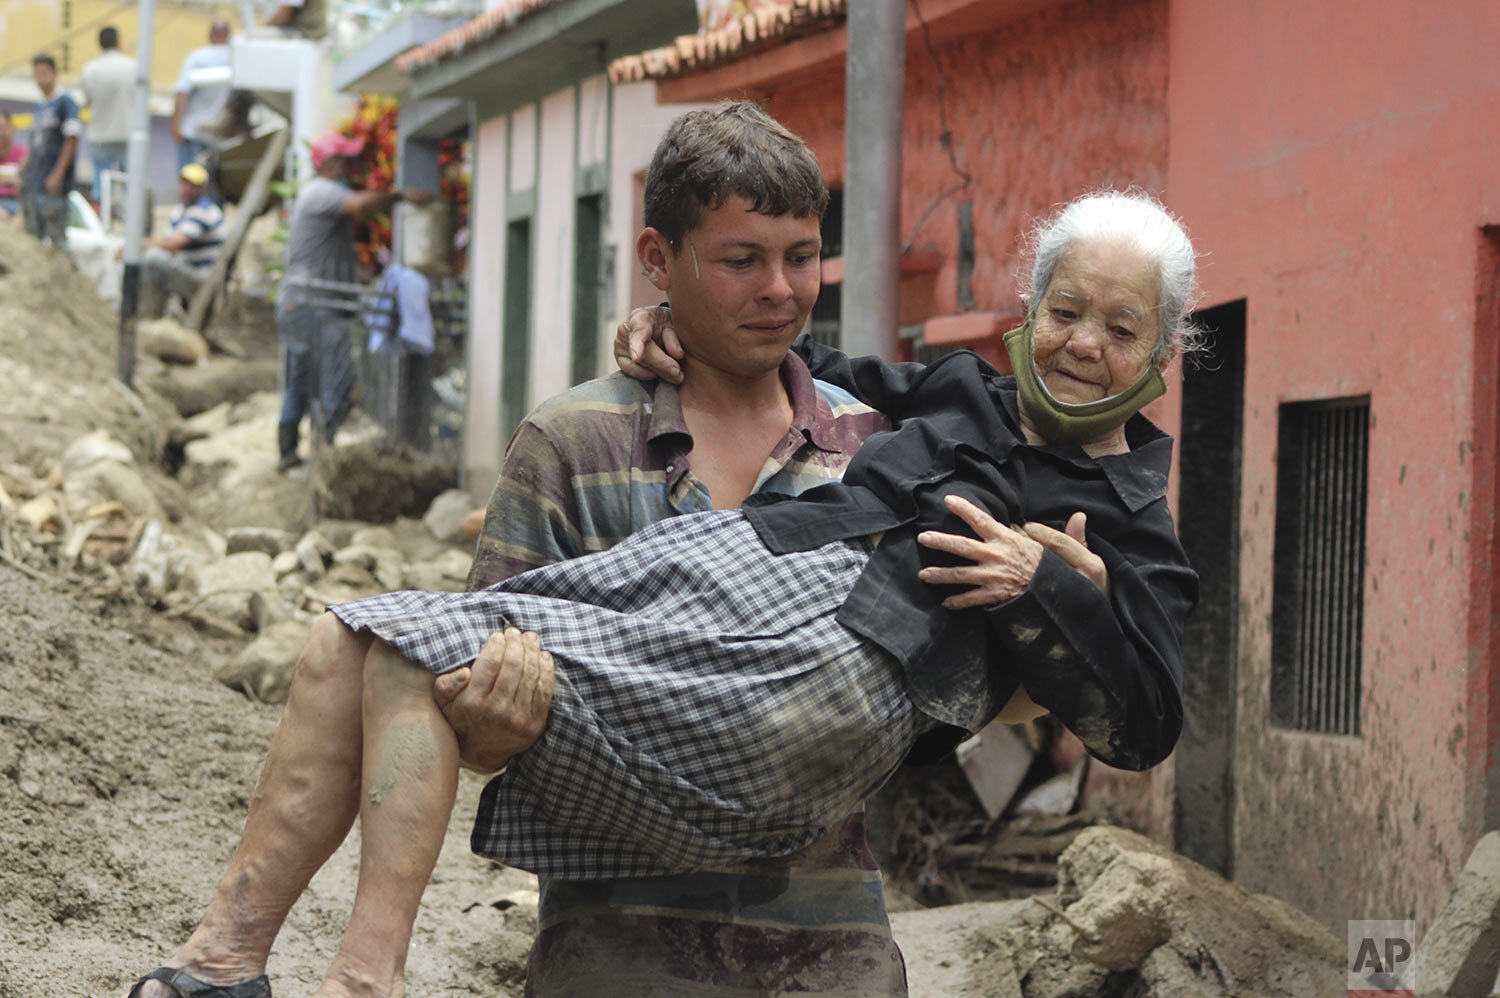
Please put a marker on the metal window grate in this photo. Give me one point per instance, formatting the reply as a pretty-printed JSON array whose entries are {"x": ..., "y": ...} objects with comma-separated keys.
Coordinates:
[{"x": 1318, "y": 607}]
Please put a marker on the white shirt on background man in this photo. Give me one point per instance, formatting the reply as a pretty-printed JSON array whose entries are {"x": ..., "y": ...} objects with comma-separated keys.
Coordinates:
[
  {"x": 109, "y": 89},
  {"x": 203, "y": 103}
]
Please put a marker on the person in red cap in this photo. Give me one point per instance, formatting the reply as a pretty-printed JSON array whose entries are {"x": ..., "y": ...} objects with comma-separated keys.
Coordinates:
[{"x": 320, "y": 247}]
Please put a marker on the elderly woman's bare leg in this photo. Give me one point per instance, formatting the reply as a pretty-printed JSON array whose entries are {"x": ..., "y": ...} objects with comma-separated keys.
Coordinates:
[
  {"x": 303, "y": 807},
  {"x": 409, "y": 784}
]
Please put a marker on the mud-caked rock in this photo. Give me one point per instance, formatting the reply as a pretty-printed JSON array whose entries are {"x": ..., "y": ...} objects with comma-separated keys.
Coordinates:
[
  {"x": 171, "y": 341},
  {"x": 107, "y": 481},
  {"x": 385, "y": 564},
  {"x": 1129, "y": 898},
  {"x": 444, "y": 519},
  {"x": 266, "y": 539},
  {"x": 265, "y": 666},
  {"x": 1460, "y": 954},
  {"x": 225, "y": 589},
  {"x": 447, "y": 573}
]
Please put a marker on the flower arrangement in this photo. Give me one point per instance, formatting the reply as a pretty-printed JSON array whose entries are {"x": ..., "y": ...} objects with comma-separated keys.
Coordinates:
[{"x": 374, "y": 121}]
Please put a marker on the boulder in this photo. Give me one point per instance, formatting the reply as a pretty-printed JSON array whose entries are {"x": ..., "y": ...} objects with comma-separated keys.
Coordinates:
[
  {"x": 148, "y": 564},
  {"x": 341, "y": 584},
  {"x": 444, "y": 519},
  {"x": 374, "y": 537},
  {"x": 169, "y": 340},
  {"x": 285, "y": 563},
  {"x": 291, "y": 584},
  {"x": 385, "y": 564},
  {"x": 40, "y": 512},
  {"x": 264, "y": 667},
  {"x": 446, "y": 573},
  {"x": 266, "y": 539},
  {"x": 226, "y": 589},
  {"x": 313, "y": 552},
  {"x": 91, "y": 447},
  {"x": 1460, "y": 954},
  {"x": 1129, "y": 900},
  {"x": 108, "y": 480}
]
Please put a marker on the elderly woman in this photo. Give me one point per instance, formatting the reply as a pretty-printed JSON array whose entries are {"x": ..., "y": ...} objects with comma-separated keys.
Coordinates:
[{"x": 728, "y": 684}]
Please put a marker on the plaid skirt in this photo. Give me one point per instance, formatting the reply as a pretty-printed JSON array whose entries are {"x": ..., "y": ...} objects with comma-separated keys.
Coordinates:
[{"x": 708, "y": 707}]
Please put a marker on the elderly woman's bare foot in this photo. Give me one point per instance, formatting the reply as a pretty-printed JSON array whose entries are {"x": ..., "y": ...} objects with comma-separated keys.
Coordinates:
[{"x": 349, "y": 977}]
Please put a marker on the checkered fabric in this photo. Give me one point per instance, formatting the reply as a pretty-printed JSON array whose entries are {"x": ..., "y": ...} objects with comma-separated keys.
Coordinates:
[{"x": 708, "y": 708}]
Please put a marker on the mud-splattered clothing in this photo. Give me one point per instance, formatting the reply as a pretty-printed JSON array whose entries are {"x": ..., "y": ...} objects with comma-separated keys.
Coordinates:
[
  {"x": 1109, "y": 667},
  {"x": 592, "y": 466},
  {"x": 708, "y": 709},
  {"x": 585, "y": 470}
]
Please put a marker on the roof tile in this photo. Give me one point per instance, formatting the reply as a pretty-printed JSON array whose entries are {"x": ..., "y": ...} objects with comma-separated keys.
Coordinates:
[
  {"x": 738, "y": 39},
  {"x": 492, "y": 22}
]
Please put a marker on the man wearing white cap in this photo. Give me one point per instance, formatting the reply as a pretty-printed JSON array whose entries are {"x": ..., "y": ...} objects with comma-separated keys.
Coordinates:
[
  {"x": 320, "y": 247},
  {"x": 179, "y": 261}
]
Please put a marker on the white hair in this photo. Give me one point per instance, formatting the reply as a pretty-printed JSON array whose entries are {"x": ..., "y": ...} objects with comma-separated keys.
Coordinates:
[{"x": 1136, "y": 219}]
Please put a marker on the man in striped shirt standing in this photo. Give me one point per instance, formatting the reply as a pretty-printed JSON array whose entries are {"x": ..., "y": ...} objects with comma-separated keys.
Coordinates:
[
  {"x": 178, "y": 262},
  {"x": 733, "y": 206}
]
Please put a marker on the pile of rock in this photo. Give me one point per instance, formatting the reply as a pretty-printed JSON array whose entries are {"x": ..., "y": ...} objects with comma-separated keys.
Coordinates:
[
  {"x": 273, "y": 584},
  {"x": 121, "y": 527},
  {"x": 1129, "y": 918}
]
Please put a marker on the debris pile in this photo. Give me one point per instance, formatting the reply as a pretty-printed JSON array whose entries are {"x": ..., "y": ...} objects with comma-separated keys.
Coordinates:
[{"x": 1129, "y": 919}]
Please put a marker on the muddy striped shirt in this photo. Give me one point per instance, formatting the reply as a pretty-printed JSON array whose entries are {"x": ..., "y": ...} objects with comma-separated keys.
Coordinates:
[
  {"x": 592, "y": 466},
  {"x": 583, "y": 471}
]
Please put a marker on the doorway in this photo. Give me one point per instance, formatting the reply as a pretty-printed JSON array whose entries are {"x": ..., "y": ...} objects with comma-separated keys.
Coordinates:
[{"x": 1208, "y": 500}]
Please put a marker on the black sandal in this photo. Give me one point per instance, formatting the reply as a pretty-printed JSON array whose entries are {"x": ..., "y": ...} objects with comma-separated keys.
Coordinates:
[{"x": 188, "y": 986}]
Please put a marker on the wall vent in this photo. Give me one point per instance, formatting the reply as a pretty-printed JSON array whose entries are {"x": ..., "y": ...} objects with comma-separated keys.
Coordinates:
[{"x": 1318, "y": 609}]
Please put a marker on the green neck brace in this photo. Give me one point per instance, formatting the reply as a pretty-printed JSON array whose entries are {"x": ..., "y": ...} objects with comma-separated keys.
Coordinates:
[{"x": 1067, "y": 423}]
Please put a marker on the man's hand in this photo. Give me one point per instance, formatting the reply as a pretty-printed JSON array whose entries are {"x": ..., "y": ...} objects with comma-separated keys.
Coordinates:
[
  {"x": 1073, "y": 548},
  {"x": 498, "y": 706},
  {"x": 646, "y": 346},
  {"x": 53, "y": 184},
  {"x": 415, "y": 195}
]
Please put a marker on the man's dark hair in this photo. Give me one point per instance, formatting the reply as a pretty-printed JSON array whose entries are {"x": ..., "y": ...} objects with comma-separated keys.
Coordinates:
[
  {"x": 733, "y": 148},
  {"x": 43, "y": 59},
  {"x": 109, "y": 38}
]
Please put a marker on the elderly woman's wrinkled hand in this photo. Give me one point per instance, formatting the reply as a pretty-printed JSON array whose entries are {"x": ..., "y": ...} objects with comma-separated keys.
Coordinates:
[
  {"x": 1004, "y": 558},
  {"x": 1072, "y": 547},
  {"x": 646, "y": 346}
]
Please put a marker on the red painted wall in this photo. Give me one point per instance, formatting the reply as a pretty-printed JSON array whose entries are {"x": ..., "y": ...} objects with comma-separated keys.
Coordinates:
[
  {"x": 1337, "y": 161},
  {"x": 1039, "y": 110}
]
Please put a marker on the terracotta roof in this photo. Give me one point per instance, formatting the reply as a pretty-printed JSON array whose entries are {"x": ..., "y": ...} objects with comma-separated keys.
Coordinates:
[
  {"x": 484, "y": 27},
  {"x": 740, "y": 38}
]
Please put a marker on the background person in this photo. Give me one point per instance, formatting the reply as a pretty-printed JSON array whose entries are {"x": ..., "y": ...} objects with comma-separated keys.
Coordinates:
[
  {"x": 196, "y": 107},
  {"x": 178, "y": 262},
  {"x": 320, "y": 247},
  {"x": 109, "y": 92},
  {"x": 47, "y": 177},
  {"x": 12, "y": 161}
]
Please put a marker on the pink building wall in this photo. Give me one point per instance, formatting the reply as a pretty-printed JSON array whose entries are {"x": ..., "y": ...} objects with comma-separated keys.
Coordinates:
[{"x": 1338, "y": 160}]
